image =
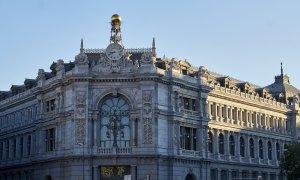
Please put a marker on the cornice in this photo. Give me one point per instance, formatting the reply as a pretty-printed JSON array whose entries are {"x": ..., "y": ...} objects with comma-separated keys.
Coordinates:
[{"x": 247, "y": 102}]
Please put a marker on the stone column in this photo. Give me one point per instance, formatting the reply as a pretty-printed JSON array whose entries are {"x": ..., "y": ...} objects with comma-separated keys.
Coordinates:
[
  {"x": 254, "y": 119},
  {"x": 249, "y": 119},
  {"x": 218, "y": 117},
  {"x": 216, "y": 142},
  {"x": 206, "y": 108},
  {"x": 247, "y": 147},
  {"x": 264, "y": 121},
  {"x": 246, "y": 120},
  {"x": 225, "y": 113},
  {"x": 209, "y": 110},
  {"x": 96, "y": 130},
  {"x": 203, "y": 141},
  {"x": 236, "y": 116},
  {"x": 256, "y": 147},
  {"x": 215, "y": 111},
  {"x": 226, "y": 144},
  {"x": 267, "y": 119},
  {"x": 229, "y": 114},
  {"x": 133, "y": 172},
  {"x": 277, "y": 176},
  {"x": 265, "y": 144},
  {"x": 229, "y": 174},
  {"x": 237, "y": 145},
  {"x": 218, "y": 173},
  {"x": 133, "y": 131},
  {"x": 96, "y": 174},
  {"x": 240, "y": 117},
  {"x": 274, "y": 150}
]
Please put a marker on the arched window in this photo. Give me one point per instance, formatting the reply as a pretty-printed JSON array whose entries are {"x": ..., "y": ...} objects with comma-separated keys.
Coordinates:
[
  {"x": 270, "y": 150},
  {"x": 221, "y": 143},
  {"x": 114, "y": 122},
  {"x": 231, "y": 145},
  {"x": 251, "y": 146},
  {"x": 278, "y": 151},
  {"x": 210, "y": 142},
  {"x": 261, "y": 149},
  {"x": 242, "y": 147}
]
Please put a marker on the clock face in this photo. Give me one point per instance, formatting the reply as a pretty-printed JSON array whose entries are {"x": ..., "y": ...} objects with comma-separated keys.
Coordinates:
[{"x": 114, "y": 51}]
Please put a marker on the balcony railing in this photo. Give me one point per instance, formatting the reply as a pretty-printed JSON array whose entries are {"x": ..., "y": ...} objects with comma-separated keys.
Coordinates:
[
  {"x": 114, "y": 150},
  {"x": 189, "y": 152}
]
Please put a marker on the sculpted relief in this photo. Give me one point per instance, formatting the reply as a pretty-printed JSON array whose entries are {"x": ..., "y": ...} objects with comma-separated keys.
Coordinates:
[
  {"x": 80, "y": 117},
  {"x": 147, "y": 117},
  {"x": 105, "y": 65}
]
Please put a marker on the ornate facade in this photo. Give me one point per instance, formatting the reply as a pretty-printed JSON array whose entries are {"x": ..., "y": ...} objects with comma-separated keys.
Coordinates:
[{"x": 120, "y": 113}]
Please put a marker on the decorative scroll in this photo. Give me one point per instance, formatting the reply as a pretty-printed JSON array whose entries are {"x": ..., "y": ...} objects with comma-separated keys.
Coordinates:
[
  {"x": 80, "y": 116},
  {"x": 147, "y": 116}
]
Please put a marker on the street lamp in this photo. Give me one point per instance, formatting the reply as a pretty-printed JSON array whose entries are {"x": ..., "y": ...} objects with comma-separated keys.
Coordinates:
[{"x": 82, "y": 144}]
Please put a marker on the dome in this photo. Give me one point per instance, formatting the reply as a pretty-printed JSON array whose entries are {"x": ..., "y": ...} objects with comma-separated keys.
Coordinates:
[{"x": 116, "y": 18}]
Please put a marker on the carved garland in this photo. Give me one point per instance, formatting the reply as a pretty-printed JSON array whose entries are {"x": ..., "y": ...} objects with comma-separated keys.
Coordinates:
[
  {"x": 80, "y": 117},
  {"x": 147, "y": 117}
]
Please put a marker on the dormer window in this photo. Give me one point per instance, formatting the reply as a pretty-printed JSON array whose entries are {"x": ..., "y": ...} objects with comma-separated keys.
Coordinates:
[
  {"x": 227, "y": 85},
  {"x": 184, "y": 70}
]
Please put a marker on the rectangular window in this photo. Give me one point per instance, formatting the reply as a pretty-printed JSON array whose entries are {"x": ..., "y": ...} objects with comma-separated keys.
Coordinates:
[
  {"x": 14, "y": 148},
  {"x": 50, "y": 105},
  {"x": 193, "y": 105},
  {"x": 188, "y": 138},
  {"x": 21, "y": 147},
  {"x": 29, "y": 145},
  {"x": 7, "y": 149},
  {"x": 186, "y": 103},
  {"x": 223, "y": 112},
  {"x": 50, "y": 140},
  {"x": 1, "y": 150}
]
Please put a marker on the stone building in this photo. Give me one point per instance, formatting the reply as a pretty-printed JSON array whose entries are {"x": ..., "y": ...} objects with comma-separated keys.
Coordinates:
[{"x": 116, "y": 112}]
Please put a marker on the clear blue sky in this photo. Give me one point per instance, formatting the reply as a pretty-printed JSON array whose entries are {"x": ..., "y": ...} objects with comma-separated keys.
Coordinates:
[{"x": 246, "y": 39}]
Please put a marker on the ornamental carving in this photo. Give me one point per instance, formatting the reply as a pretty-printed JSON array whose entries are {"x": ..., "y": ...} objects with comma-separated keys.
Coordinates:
[
  {"x": 80, "y": 117},
  {"x": 147, "y": 117},
  {"x": 60, "y": 65},
  {"x": 105, "y": 65},
  {"x": 41, "y": 75},
  {"x": 80, "y": 131},
  {"x": 81, "y": 59}
]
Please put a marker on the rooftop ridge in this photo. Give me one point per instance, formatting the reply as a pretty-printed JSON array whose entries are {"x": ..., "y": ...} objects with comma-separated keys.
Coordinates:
[
  {"x": 237, "y": 80},
  {"x": 129, "y": 50}
]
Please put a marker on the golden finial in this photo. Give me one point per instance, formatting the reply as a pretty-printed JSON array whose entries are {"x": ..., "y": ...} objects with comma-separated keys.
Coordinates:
[{"x": 116, "y": 19}]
